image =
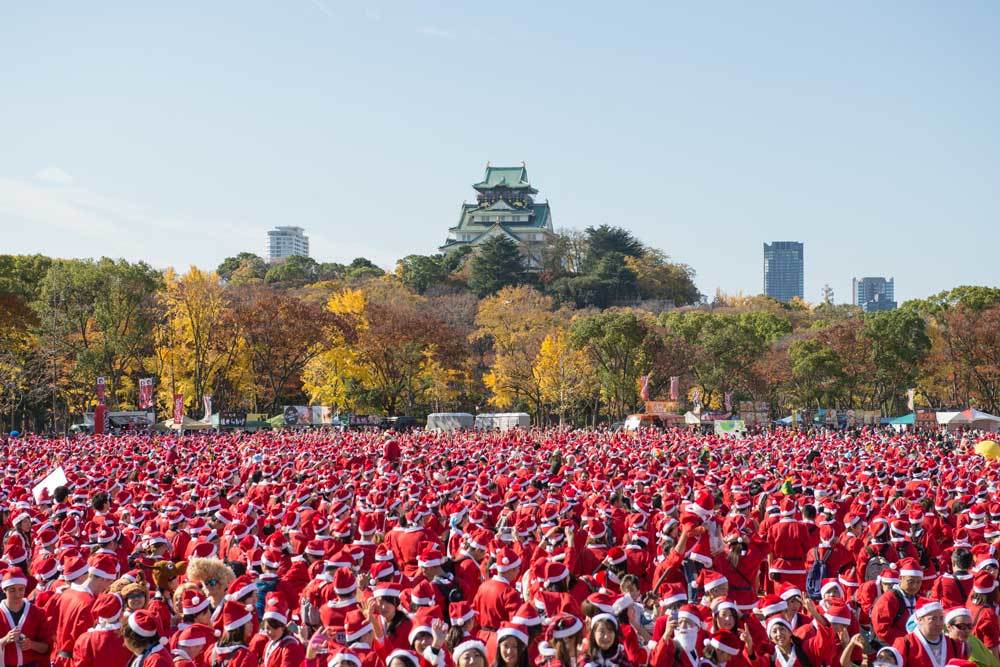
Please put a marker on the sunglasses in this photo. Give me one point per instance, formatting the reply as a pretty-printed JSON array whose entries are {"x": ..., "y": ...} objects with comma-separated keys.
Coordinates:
[{"x": 962, "y": 626}]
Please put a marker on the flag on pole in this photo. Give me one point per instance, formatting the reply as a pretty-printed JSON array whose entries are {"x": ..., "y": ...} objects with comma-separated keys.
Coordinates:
[
  {"x": 207, "y": 400},
  {"x": 644, "y": 387},
  {"x": 729, "y": 401},
  {"x": 145, "y": 393},
  {"x": 101, "y": 391},
  {"x": 696, "y": 399},
  {"x": 910, "y": 393},
  {"x": 675, "y": 383},
  {"x": 178, "y": 409}
]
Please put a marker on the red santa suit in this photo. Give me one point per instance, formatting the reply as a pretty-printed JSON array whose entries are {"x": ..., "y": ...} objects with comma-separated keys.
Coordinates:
[
  {"x": 74, "y": 618},
  {"x": 284, "y": 652},
  {"x": 890, "y": 614},
  {"x": 158, "y": 656},
  {"x": 32, "y": 625},
  {"x": 101, "y": 646},
  {"x": 467, "y": 575},
  {"x": 496, "y": 601},
  {"x": 952, "y": 589},
  {"x": 236, "y": 655},
  {"x": 918, "y": 652}
]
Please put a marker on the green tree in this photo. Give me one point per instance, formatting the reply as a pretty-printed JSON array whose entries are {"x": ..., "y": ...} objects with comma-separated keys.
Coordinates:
[
  {"x": 606, "y": 239},
  {"x": 614, "y": 341},
  {"x": 292, "y": 271},
  {"x": 496, "y": 264},
  {"x": 246, "y": 262},
  {"x": 816, "y": 373},
  {"x": 656, "y": 277},
  {"x": 898, "y": 341}
]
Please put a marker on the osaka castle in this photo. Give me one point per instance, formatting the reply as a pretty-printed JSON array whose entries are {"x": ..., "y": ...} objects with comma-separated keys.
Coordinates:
[{"x": 505, "y": 206}]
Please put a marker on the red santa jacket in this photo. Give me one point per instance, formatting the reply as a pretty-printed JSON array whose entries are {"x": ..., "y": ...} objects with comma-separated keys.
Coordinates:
[
  {"x": 890, "y": 614},
  {"x": 496, "y": 602},
  {"x": 74, "y": 617},
  {"x": 101, "y": 646},
  {"x": 32, "y": 625},
  {"x": 285, "y": 652},
  {"x": 952, "y": 589},
  {"x": 916, "y": 650},
  {"x": 231, "y": 656}
]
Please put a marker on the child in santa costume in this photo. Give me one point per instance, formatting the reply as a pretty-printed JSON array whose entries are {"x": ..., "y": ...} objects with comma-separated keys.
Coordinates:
[{"x": 142, "y": 636}]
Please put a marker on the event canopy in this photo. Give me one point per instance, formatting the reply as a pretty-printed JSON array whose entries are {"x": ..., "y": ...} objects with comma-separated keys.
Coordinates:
[
  {"x": 970, "y": 418},
  {"x": 905, "y": 420}
]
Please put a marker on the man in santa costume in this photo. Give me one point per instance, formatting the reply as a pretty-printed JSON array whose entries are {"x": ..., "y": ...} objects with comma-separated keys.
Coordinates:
[
  {"x": 102, "y": 644},
  {"x": 24, "y": 634},
  {"x": 927, "y": 645},
  {"x": 75, "y": 605},
  {"x": 892, "y": 610}
]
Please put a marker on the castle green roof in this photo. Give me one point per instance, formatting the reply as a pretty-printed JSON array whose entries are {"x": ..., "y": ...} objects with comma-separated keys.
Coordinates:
[{"x": 515, "y": 178}]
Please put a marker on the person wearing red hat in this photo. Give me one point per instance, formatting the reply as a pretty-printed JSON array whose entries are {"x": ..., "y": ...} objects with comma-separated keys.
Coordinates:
[
  {"x": 389, "y": 621},
  {"x": 562, "y": 642},
  {"x": 982, "y": 605},
  {"x": 143, "y": 637},
  {"x": 359, "y": 636},
  {"x": 681, "y": 640},
  {"x": 283, "y": 649},
  {"x": 789, "y": 540},
  {"x": 892, "y": 610},
  {"x": 790, "y": 649},
  {"x": 467, "y": 567},
  {"x": 512, "y": 646},
  {"x": 231, "y": 649},
  {"x": 340, "y": 598},
  {"x": 927, "y": 645},
  {"x": 103, "y": 644},
  {"x": 24, "y": 634},
  {"x": 953, "y": 588},
  {"x": 74, "y": 614},
  {"x": 497, "y": 600},
  {"x": 191, "y": 643}
]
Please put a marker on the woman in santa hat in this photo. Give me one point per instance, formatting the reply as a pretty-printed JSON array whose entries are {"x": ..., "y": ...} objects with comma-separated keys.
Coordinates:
[
  {"x": 190, "y": 643},
  {"x": 562, "y": 642},
  {"x": 391, "y": 624},
  {"x": 142, "y": 636},
  {"x": 232, "y": 651},
  {"x": 283, "y": 648},
  {"x": 603, "y": 646},
  {"x": 512, "y": 646}
]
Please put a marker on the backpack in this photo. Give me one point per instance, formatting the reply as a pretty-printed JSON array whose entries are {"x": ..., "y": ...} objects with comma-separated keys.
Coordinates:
[
  {"x": 876, "y": 563},
  {"x": 818, "y": 571}
]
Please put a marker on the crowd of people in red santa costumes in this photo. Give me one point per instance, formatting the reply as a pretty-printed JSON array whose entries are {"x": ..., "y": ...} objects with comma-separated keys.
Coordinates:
[{"x": 555, "y": 548}]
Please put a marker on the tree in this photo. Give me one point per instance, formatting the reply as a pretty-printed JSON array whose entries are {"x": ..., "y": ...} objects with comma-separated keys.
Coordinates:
[
  {"x": 296, "y": 270},
  {"x": 816, "y": 373},
  {"x": 246, "y": 263},
  {"x": 898, "y": 342},
  {"x": 99, "y": 317},
  {"x": 657, "y": 277},
  {"x": 606, "y": 239},
  {"x": 496, "y": 264},
  {"x": 614, "y": 341},
  {"x": 564, "y": 374},
  {"x": 281, "y": 334},
  {"x": 515, "y": 321},
  {"x": 199, "y": 348}
]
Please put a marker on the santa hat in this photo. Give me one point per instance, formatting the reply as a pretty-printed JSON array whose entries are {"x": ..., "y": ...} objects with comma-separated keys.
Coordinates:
[
  {"x": 910, "y": 567},
  {"x": 344, "y": 581},
  {"x": 356, "y": 626},
  {"x": 770, "y": 605},
  {"x": 888, "y": 576},
  {"x": 104, "y": 566},
  {"x": 461, "y": 612},
  {"x": 196, "y": 634},
  {"x": 777, "y": 619},
  {"x": 926, "y": 607},
  {"x": 506, "y": 560},
  {"x": 404, "y": 655},
  {"x": 673, "y": 593},
  {"x": 145, "y": 623},
  {"x": 387, "y": 590},
  {"x": 235, "y": 615},
  {"x": 703, "y": 506},
  {"x": 555, "y": 572},
  {"x": 13, "y": 577},
  {"x": 430, "y": 556},
  {"x": 562, "y": 626},
  {"x": 463, "y": 648},
  {"x": 838, "y": 613},
  {"x": 526, "y": 616},
  {"x": 275, "y": 608},
  {"x": 615, "y": 556},
  {"x": 241, "y": 587},
  {"x": 725, "y": 641},
  {"x": 984, "y": 583},
  {"x": 831, "y": 585},
  {"x": 690, "y": 613},
  {"x": 421, "y": 622},
  {"x": 422, "y": 594},
  {"x": 108, "y": 607},
  {"x": 709, "y": 580},
  {"x": 789, "y": 591},
  {"x": 193, "y": 602},
  {"x": 955, "y": 613},
  {"x": 701, "y": 554},
  {"x": 519, "y": 632}
]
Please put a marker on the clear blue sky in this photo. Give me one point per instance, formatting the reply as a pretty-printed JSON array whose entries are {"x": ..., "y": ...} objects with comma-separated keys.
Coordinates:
[{"x": 180, "y": 132}]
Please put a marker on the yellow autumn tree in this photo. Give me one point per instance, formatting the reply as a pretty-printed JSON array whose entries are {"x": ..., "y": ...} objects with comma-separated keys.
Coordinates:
[
  {"x": 198, "y": 348},
  {"x": 515, "y": 320},
  {"x": 565, "y": 376},
  {"x": 330, "y": 377}
]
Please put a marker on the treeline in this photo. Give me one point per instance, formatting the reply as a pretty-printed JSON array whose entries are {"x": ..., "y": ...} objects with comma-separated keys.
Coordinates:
[{"x": 468, "y": 332}]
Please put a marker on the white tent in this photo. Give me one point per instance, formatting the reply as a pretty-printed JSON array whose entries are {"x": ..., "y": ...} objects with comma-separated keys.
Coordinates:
[
  {"x": 970, "y": 418},
  {"x": 503, "y": 421},
  {"x": 691, "y": 418},
  {"x": 449, "y": 421}
]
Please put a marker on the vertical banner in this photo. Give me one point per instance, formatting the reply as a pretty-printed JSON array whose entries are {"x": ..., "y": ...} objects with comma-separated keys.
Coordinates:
[
  {"x": 145, "y": 393},
  {"x": 100, "y": 418},
  {"x": 675, "y": 383},
  {"x": 101, "y": 394},
  {"x": 207, "y": 400},
  {"x": 910, "y": 393},
  {"x": 696, "y": 399},
  {"x": 729, "y": 401},
  {"x": 644, "y": 387},
  {"x": 178, "y": 409}
]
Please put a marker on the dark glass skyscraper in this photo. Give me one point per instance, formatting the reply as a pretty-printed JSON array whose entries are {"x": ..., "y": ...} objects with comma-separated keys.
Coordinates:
[{"x": 784, "y": 275}]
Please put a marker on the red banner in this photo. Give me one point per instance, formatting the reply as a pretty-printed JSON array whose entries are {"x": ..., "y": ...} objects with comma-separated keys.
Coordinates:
[
  {"x": 178, "y": 409},
  {"x": 100, "y": 416},
  {"x": 145, "y": 393}
]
